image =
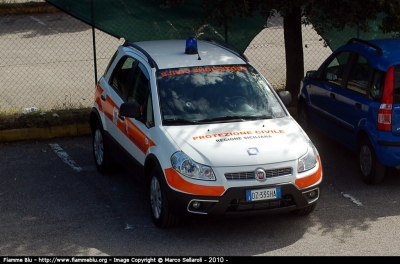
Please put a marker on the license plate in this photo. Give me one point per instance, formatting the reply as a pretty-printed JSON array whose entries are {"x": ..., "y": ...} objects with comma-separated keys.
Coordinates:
[{"x": 263, "y": 194}]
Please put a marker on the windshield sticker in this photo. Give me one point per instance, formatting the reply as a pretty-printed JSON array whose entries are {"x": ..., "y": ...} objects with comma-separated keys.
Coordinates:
[
  {"x": 246, "y": 135},
  {"x": 203, "y": 69}
]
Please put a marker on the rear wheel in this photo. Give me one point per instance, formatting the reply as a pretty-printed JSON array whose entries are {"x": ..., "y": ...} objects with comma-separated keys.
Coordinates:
[
  {"x": 160, "y": 209},
  {"x": 101, "y": 154},
  {"x": 372, "y": 170}
]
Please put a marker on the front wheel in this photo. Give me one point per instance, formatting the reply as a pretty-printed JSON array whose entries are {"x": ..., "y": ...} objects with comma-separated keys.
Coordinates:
[
  {"x": 303, "y": 117},
  {"x": 372, "y": 170},
  {"x": 160, "y": 208}
]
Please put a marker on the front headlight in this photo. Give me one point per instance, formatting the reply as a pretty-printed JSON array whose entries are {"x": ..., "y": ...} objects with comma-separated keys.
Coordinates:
[
  {"x": 191, "y": 169},
  {"x": 308, "y": 160}
]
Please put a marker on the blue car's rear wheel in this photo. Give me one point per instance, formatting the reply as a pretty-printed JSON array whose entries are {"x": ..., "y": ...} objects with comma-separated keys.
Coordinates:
[{"x": 372, "y": 170}]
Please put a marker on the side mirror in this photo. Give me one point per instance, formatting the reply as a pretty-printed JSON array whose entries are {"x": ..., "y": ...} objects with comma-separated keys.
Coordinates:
[
  {"x": 286, "y": 97},
  {"x": 130, "y": 109},
  {"x": 331, "y": 76},
  {"x": 311, "y": 74}
]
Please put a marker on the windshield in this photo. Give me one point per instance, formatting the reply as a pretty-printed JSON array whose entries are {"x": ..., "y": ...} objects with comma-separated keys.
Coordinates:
[{"x": 215, "y": 94}]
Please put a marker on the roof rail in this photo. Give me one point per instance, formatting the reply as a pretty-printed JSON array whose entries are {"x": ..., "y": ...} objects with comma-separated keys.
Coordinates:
[
  {"x": 379, "y": 51},
  {"x": 152, "y": 63},
  {"x": 227, "y": 46}
]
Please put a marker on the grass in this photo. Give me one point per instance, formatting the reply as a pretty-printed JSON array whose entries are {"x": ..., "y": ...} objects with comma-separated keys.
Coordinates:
[
  {"x": 16, "y": 119},
  {"x": 12, "y": 7}
]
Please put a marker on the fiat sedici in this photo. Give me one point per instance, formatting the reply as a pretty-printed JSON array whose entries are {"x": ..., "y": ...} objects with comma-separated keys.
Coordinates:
[{"x": 211, "y": 134}]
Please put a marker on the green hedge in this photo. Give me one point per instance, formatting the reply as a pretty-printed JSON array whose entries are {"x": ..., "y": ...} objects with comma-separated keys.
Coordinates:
[{"x": 27, "y": 8}]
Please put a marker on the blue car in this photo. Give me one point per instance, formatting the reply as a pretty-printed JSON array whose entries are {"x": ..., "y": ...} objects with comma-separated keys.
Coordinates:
[{"x": 354, "y": 98}]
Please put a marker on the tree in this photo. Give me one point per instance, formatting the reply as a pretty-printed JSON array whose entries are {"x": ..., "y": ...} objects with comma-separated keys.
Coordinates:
[{"x": 321, "y": 14}]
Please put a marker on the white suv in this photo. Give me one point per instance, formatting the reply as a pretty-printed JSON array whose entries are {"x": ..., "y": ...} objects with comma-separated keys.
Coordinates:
[{"x": 211, "y": 134}]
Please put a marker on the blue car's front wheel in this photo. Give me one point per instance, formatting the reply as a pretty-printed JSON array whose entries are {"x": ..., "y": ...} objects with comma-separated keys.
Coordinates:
[{"x": 303, "y": 117}]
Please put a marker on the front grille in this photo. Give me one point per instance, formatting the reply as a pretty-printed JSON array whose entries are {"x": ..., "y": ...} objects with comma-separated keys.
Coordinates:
[
  {"x": 249, "y": 175},
  {"x": 240, "y": 205}
]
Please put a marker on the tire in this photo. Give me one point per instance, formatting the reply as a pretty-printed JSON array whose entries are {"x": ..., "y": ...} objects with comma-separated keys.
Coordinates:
[
  {"x": 160, "y": 209},
  {"x": 101, "y": 154},
  {"x": 304, "y": 118},
  {"x": 372, "y": 170},
  {"x": 306, "y": 210}
]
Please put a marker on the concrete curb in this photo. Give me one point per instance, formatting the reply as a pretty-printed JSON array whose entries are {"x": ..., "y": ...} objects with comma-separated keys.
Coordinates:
[{"x": 44, "y": 133}]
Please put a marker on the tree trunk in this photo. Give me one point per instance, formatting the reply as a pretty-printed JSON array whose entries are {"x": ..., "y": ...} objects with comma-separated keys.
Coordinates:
[{"x": 293, "y": 51}]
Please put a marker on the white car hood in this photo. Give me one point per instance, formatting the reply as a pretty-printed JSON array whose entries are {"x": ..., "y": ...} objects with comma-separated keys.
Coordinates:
[{"x": 241, "y": 143}]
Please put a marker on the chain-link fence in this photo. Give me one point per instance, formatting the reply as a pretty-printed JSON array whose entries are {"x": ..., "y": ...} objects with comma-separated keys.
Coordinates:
[{"x": 47, "y": 59}]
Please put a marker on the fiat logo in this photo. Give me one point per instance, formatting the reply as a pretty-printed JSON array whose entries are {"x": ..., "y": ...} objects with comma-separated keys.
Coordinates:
[{"x": 259, "y": 174}]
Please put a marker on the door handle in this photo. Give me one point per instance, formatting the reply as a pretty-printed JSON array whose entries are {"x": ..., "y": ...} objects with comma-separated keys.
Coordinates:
[
  {"x": 332, "y": 95},
  {"x": 103, "y": 97},
  {"x": 358, "y": 105}
]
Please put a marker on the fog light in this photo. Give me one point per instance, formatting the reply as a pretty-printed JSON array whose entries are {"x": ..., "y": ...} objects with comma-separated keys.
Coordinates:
[
  {"x": 312, "y": 194},
  {"x": 196, "y": 204}
]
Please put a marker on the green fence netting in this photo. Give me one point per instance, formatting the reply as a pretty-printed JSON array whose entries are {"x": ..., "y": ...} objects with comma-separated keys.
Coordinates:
[
  {"x": 335, "y": 38},
  {"x": 140, "y": 20}
]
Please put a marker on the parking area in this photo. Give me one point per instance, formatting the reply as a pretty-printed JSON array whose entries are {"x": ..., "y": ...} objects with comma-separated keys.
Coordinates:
[{"x": 54, "y": 202}]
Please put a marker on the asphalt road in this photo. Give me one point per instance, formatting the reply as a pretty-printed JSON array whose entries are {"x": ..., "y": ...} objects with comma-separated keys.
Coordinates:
[{"x": 53, "y": 202}]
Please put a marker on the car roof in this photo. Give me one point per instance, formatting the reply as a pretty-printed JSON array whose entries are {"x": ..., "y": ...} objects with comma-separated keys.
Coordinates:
[
  {"x": 390, "y": 49},
  {"x": 171, "y": 54}
]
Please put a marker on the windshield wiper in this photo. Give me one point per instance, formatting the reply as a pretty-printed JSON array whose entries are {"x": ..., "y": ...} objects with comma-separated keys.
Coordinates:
[
  {"x": 179, "y": 120},
  {"x": 236, "y": 118}
]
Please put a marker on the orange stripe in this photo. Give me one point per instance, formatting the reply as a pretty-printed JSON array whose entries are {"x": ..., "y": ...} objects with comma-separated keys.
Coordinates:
[
  {"x": 310, "y": 180},
  {"x": 177, "y": 182},
  {"x": 135, "y": 135},
  {"x": 99, "y": 92}
]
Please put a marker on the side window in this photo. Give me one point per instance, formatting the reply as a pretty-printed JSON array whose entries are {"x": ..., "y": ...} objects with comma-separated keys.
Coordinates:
[
  {"x": 359, "y": 75},
  {"x": 378, "y": 81},
  {"x": 138, "y": 90},
  {"x": 111, "y": 61},
  {"x": 121, "y": 73},
  {"x": 335, "y": 69},
  {"x": 149, "y": 112}
]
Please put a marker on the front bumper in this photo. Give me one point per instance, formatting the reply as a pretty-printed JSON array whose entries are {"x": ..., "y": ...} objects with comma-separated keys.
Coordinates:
[{"x": 233, "y": 201}]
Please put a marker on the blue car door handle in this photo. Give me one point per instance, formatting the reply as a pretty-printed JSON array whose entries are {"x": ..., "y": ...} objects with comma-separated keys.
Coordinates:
[
  {"x": 358, "y": 105},
  {"x": 332, "y": 95}
]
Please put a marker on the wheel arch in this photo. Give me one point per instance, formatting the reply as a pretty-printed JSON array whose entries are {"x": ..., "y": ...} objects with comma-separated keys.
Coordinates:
[
  {"x": 150, "y": 163},
  {"x": 302, "y": 100},
  {"x": 361, "y": 134},
  {"x": 94, "y": 117}
]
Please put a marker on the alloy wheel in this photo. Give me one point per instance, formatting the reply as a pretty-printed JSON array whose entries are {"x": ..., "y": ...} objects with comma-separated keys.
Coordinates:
[
  {"x": 155, "y": 197},
  {"x": 98, "y": 146},
  {"x": 365, "y": 160}
]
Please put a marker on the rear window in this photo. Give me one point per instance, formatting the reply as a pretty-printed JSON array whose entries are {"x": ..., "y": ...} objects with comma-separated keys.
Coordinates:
[
  {"x": 378, "y": 82},
  {"x": 215, "y": 92}
]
